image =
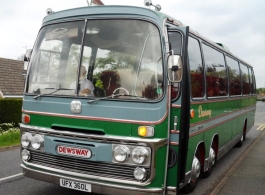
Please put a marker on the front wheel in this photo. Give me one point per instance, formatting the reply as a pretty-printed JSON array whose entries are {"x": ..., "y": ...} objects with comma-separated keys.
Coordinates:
[{"x": 195, "y": 174}]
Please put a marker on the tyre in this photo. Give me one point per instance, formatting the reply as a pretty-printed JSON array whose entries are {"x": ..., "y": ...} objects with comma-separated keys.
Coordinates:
[
  {"x": 240, "y": 143},
  {"x": 195, "y": 174},
  {"x": 211, "y": 162}
]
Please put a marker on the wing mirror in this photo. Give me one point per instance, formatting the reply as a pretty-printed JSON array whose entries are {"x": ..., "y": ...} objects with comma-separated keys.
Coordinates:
[{"x": 175, "y": 68}]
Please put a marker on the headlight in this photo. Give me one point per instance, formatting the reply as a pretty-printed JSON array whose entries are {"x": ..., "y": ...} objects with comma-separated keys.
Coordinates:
[
  {"x": 121, "y": 153},
  {"x": 139, "y": 173},
  {"x": 37, "y": 141},
  {"x": 139, "y": 155},
  {"x": 25, "y": 139},
  {"x": 25, "y": 154}
]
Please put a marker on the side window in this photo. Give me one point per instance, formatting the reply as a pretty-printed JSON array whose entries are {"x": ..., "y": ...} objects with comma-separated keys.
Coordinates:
[
  {"x": 234, "y": 76},
  {"x": 245, "y": 79},
  {"x": 175, "y": 39},
  {"x": 215, "y": 72},
  {"x": 196, "y": 69}
]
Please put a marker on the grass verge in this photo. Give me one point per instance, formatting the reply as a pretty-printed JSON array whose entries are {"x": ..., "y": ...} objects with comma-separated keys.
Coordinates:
[{"x": 9, "y": 138}]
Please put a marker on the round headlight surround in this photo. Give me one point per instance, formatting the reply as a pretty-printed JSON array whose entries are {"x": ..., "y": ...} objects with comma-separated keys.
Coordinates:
[
  {"x": 139, "y": 173},
  {"x": 37, "y": 141},
  {"x": 139, "y": 155},
  {"x": 26, "y": 139},
  {"x": 121, "y": 153},
  {"x": 25, "y": 155}
]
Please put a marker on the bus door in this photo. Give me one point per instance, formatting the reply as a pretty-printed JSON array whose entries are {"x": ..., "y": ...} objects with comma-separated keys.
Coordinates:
[{"x": 180, "y": 99}]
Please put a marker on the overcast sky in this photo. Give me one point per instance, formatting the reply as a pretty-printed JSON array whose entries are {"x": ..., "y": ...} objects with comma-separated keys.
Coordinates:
[{"x": 239, "y": 24}]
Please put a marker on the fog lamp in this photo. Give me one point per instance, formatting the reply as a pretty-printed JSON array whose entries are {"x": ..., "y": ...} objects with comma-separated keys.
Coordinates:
[
  {"x": 139, "y": 155},
  {"x": 121, "y": 153},
  {"x": 25, "y": 139},
  {"x": 139, "y": 173},
  {"x": 25, "y": 154},
  {"x": 37, "y": 141}
]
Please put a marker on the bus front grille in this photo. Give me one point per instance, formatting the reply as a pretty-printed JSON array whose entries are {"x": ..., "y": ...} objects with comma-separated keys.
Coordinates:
[{"x": 85, "y": 167}]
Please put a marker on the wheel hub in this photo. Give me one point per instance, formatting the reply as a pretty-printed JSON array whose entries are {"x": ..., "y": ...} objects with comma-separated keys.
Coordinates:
[
  {"x": 211, "y": 157},
  {"x": 196, "y": 168}
]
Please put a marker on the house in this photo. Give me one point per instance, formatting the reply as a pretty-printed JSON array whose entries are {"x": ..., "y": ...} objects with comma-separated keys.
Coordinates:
[{"x": 12, "y": 78}]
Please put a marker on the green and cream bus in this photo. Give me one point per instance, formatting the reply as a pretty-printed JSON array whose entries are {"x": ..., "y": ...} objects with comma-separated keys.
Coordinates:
[{"x": 167, "y": 103}]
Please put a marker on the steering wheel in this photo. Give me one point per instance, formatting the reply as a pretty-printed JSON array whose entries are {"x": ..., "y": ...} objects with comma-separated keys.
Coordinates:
[{"x": 122, "y": 89}]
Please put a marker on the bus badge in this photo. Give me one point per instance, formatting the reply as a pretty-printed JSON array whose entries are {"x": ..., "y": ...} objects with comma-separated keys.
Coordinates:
[{"x": 76, "y": 107}]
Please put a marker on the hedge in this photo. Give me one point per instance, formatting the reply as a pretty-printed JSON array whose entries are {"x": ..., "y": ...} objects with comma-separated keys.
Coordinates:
[{"x": 10, "y": 110}]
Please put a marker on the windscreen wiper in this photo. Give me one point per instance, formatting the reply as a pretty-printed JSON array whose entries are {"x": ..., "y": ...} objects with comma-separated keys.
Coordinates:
[
  {"x": 53, "y": 90},
  {"x": 113, "y": 96}
]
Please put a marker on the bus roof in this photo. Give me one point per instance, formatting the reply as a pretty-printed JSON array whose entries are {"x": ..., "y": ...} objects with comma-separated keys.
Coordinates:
[
  {"x": 123, "y": 11},
  {"x": 102, "y": 11}
]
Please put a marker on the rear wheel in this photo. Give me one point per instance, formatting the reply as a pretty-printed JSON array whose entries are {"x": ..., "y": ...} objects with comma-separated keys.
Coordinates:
[
  {"x": 195, "y": 174},
  {"x": 240, "y": 143},
  {"x": 211, "y": 163}
]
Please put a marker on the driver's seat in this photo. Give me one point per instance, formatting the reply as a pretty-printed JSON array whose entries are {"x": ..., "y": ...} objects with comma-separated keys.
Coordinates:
[{"x": 111, "y": 81}]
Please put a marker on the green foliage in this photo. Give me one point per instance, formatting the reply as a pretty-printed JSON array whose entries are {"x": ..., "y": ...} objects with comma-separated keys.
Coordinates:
[
  {"x": 10, "y": 137},
  {"x": 10, "y": 111},
  {"x": 260, "y": 90},
  {"x": 99, "y": 84},
  {"x": 115, "y": 60},
  {"x": 7, "y": 126}
]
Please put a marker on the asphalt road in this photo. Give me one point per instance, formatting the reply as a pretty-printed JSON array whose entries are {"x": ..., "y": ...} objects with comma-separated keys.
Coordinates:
[{"x": 12, "y": 182}]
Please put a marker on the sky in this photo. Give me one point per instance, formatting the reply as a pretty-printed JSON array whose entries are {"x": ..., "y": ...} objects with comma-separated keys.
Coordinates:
[{"x": 238, "y": 24}]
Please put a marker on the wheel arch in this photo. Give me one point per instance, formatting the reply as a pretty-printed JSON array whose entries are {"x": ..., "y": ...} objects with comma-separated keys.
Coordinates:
[
  {"x": 201, "y": 147},
  {"x": 215, "y": 143},
  {"x": 245, "y": 128}
]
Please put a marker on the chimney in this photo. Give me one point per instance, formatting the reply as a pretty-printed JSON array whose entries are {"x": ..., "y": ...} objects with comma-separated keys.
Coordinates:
[
  {"x": 98, "y": 2},
  {"x": 94, "y": 2}
]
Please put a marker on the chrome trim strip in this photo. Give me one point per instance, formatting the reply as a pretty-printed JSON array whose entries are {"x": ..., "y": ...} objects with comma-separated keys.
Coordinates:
[
  {"x": 171, "y": 190},
  {"x": 85, "y": 176},
  {"x": 98, "y": 118},
  {"x": 174, "y": 143},
  {"x": 222, "y": 99},
  {"x": 175, "y": 106},
  {"x": 154, "y": 144},
  {"x": 174, "y": 131},
  {"x": 196, "y": 128},
  {"x": 223, "y": 150},
  {"x": 249, "y": 108},
  {"x": 97, "y": 187}
]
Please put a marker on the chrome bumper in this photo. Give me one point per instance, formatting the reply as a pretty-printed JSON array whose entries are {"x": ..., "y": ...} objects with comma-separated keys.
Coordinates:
[{"x": 96, "y": 187}]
